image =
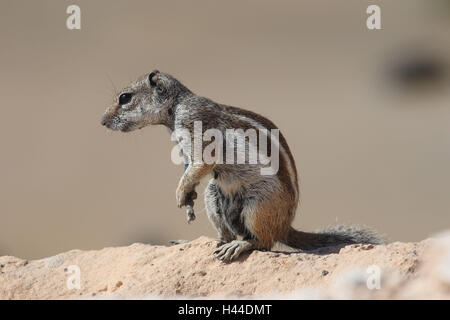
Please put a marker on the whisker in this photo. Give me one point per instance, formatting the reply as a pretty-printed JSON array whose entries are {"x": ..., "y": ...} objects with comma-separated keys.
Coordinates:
[{"x": 112, "y": 84}]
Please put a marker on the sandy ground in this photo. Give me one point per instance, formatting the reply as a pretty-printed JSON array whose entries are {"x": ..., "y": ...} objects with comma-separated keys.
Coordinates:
[{"x": 404, "y": 270}]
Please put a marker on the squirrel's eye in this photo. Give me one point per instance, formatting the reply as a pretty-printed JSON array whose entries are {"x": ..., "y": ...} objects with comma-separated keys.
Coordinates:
[{"x": 125, "y": 98}]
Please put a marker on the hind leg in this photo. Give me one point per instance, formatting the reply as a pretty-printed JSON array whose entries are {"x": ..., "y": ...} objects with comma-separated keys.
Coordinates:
[
  {"x": 264, "y": 223},
  {"x": 251, "y": 241},
  {"x": 225, "y": 235}
]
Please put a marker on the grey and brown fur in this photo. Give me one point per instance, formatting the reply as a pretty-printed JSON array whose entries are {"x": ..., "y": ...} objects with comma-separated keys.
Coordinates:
[{"x": 239, "y": 200}]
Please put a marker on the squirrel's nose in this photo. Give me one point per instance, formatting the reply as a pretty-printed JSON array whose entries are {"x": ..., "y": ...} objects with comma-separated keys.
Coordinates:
[{"x": 105, "y": 120}]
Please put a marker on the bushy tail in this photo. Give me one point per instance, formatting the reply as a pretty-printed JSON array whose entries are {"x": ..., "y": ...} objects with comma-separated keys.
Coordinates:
[{"x": 332, "y": 236}]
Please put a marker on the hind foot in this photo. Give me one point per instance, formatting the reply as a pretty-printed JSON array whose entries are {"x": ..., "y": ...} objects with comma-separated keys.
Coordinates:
[{"x": 230, "y": 251}]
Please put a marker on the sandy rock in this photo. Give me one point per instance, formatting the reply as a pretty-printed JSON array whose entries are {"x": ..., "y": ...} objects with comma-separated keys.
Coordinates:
[{"x": 404, "y": 270}]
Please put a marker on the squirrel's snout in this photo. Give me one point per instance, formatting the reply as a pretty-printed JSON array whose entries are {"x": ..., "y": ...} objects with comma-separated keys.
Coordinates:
[{"x": 106, "y": 119}]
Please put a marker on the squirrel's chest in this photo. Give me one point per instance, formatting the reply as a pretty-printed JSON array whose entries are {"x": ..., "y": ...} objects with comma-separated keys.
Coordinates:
[{"x": 229, "y": 184}]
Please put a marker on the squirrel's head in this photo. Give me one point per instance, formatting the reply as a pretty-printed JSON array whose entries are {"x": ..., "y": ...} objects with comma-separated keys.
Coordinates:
[{"x": 149, "y": 100}]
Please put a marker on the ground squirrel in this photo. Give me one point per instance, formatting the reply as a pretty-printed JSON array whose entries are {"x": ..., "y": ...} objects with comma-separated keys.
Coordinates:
[{"x": 240, "y": 201}]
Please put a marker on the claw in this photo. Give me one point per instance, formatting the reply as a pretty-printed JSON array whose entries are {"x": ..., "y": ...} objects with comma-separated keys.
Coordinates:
[{"x": 232, "y": 250}]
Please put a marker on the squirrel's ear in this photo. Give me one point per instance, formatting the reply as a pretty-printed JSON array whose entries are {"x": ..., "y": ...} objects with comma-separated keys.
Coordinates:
[{"x": 153, "y": 77}]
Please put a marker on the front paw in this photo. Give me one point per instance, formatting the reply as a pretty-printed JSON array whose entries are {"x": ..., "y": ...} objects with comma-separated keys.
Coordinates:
[{"x": 181, "y": 196}]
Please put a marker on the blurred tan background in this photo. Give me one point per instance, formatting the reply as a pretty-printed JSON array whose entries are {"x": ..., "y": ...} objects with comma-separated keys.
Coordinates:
[{"x": 366, "y": 113}]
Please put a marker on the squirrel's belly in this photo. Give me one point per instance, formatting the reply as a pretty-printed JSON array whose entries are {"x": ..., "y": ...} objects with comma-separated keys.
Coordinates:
[{"x": 250, "y": 185}]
